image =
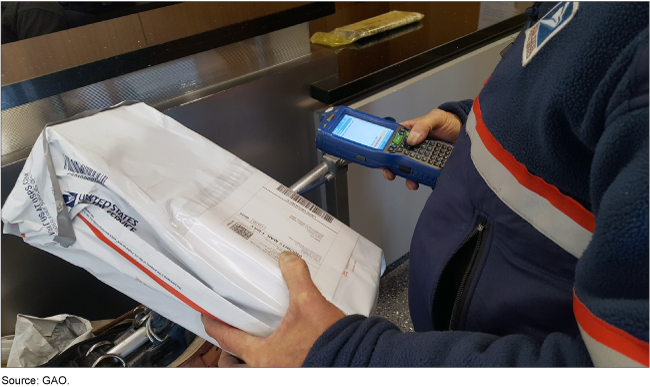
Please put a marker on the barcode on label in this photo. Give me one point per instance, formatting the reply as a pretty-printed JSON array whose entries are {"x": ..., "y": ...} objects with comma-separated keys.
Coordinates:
[
  {"x": 305, "y": 203},
  {"x": 83, "y": 171},
  {"x": 242, "y": 231}
]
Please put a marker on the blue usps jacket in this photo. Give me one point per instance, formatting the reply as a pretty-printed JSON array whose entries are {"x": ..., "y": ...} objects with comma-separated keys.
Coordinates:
[{"x": 533, "y": 248}]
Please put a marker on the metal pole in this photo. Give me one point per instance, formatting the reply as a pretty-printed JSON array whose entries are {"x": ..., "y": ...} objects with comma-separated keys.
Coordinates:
[{"x": 314, "y": 178}]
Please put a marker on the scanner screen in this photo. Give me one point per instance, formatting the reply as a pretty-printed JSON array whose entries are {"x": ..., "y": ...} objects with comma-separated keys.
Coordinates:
[{"x": 363, "y": 132}]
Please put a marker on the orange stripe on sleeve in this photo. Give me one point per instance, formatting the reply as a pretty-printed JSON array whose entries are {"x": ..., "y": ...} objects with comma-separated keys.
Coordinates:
[
  {"x": 610, "y": 336},
  {"x": 566, "y": 204},
  {"x": 485, "y": 83}
]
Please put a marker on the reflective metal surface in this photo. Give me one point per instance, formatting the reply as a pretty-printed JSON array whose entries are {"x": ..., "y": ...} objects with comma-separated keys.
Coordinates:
[
  {"x": 102, "y": 358},
  {"x": 53, "y": 64},
  {"x": 130, "y": 343},
  {"x": 97, "y": 345},
  {"x": 329, "y": 169},
  {"x": 313, "y": 179},
  {"x": 163, "y": 86}
]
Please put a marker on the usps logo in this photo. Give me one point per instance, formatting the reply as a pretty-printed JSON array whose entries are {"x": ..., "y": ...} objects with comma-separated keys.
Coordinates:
[
  {"x": 547, "y": 27},
  {"x": 70, "y": 199}
]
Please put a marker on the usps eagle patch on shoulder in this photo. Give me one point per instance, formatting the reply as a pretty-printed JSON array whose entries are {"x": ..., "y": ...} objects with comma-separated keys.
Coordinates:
[{"x": 547, "y": 27}]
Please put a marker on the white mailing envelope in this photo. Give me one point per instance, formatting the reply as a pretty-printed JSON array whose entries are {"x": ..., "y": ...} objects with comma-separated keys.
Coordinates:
[{"x": 179, "y": 224}]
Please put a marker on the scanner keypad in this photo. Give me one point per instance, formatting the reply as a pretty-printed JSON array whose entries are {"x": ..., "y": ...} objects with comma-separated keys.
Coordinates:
[{"x": 431, "y": 152}]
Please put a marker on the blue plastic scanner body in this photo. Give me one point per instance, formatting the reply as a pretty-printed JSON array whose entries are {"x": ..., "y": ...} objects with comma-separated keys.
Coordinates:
[{"x": 380, "y": 143}]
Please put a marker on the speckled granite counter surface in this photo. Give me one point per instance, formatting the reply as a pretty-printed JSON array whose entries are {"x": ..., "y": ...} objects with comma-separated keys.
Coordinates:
[{"x": 393, "y": 297}]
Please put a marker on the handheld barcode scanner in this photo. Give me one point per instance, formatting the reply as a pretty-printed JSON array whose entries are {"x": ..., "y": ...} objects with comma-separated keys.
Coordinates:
[{"x": 377, "y": 142}]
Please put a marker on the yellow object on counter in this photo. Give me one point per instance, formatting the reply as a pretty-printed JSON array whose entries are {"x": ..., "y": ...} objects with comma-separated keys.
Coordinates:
[{"x": 365, "y": 28}]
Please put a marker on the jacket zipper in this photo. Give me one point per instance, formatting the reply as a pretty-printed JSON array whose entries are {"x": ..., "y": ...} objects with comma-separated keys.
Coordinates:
[
  {"x": 480, "y": 232},
  {"x": 459, "y": 303}
]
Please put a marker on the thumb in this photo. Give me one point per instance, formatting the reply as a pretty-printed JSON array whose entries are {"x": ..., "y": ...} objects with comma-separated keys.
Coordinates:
[
  {"x": 296, "y": 274},
  {"x": 419, "y": 132},
  {"x": 409, "y": 124}
]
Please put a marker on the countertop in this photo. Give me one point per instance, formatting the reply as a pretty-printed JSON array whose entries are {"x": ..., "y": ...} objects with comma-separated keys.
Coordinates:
[{"x": 447, "y": 31}]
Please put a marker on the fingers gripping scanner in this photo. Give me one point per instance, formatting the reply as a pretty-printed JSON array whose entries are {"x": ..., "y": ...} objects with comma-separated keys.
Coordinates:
[{"x": 354, "y": 136}]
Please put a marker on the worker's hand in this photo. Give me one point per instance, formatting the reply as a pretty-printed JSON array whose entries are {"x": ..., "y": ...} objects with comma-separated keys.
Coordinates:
[
  {"x": 308, "y": 316},
  {"x": 437, "y": 124},
  {"x": 227, "y": 360}
]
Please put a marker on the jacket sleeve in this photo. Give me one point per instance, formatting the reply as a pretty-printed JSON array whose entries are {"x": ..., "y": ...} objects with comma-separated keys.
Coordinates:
[
  {"x": 357, "y": 341},
  {"x": 611, "y": 284},
  {"x": 461, "y": 109}
]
